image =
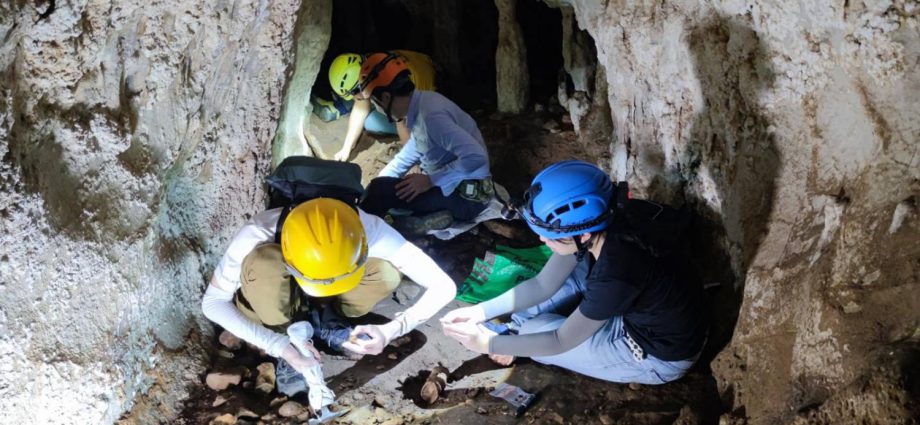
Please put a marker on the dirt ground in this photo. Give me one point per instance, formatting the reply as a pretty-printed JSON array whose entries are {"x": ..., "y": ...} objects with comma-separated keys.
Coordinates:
[{"x": 384, "y": 389}]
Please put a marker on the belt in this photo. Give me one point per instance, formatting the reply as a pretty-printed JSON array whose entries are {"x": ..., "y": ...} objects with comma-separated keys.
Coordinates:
[{"x": 637, "y": 351}]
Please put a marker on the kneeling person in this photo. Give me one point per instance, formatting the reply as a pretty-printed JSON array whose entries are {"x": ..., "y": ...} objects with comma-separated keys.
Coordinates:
[
  {"x": 445, "y": 142},
  {"x": 325, "y": 248}
]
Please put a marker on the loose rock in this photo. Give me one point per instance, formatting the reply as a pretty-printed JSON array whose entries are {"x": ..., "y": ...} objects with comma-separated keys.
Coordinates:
[
  {"x": 225, "y": 419},
  {"x": 218, "y": 401},
  {"x": 291, "y": 408},
  {"x": 276, "y": 401},
  {"x": 219, "y": 381},
  {"x": 230, "y": 341},
  {"x": 265, "y": 382}
]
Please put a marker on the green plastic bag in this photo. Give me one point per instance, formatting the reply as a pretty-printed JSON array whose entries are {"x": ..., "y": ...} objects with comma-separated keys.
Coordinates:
[{"x": 500, "y": 271}]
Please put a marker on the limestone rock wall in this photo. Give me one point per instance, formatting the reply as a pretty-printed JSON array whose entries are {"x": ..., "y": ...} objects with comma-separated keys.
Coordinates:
[
  {"x": 133, "y": 137},
  {"x": 512, "y": 78},
  {"x": 796, "y": 128}
]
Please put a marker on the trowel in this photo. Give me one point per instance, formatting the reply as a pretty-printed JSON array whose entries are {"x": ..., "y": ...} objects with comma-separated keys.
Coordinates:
[{"x": 320, "y": 394}]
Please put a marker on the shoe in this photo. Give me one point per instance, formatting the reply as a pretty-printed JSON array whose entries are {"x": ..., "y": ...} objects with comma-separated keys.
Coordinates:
[
  {"x": 329, "y": 327},
  {"x": 420, "y": 225},
  {"x": 289, "y": 380}
]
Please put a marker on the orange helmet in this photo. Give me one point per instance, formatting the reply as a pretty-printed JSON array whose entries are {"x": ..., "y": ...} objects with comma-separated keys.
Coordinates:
[{"x": 382, "y": 70}]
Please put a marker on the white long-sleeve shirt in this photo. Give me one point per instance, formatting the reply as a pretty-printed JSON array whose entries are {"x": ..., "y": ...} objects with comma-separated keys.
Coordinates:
[{"x": 383, "y": 242}]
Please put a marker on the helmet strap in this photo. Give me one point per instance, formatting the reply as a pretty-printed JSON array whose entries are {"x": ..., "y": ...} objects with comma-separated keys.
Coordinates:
[
  {"x": 389, "y": 109},
  {"x": 581, "y": 246}
]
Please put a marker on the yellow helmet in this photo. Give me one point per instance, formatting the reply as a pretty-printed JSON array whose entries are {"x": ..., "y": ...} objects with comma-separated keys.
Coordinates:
[
  {"x": 324, "y": 246},
  {"x": 344, "y": 74}
]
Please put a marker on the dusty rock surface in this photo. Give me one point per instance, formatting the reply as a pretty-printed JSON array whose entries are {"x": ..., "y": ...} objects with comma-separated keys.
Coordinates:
[
  {"x": 134, "y": 137},
  {"x": 794, "y": 131}
]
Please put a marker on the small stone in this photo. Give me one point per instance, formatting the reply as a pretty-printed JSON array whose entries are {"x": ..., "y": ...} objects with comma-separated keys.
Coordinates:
[
  {"x": 190, "y": 376},
  {"x": 219, "y": 381},
  {"x": 277, "y": 400},
  {"x": 392, "y": 356},
  {"x": 245, "y": 413},
  {"x": 538, "y": 107},
  {"x": 566, "y": 119},
  {"x": 290, "y": 408},
  {"x": 225, "y": 354},
  {"x": 265, "y": 382},
  {"x": 555, "y": 417},
  {"x": 482, "y": 410},
  {"x": 473, "y": 392},
  {"x": 851, "y": 308},
  {"x": 378, "y": 401},
  {"x": 247, "y": 385},
  {"x": 605, "y": 419},
  {"x": 634, "y": 386},
  {"x": 225, "y": 419},
  {"x": 380, "y": 367},
  {"x": 401, "y": 341},
  {"x": 218, "y": 401},
  {"x": 230, "y": 341},
  {"x": 552, "y": 126}
]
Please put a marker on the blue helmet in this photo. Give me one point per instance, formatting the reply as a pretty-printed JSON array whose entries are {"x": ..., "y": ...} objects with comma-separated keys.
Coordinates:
[{"x": 569, "y": 198}]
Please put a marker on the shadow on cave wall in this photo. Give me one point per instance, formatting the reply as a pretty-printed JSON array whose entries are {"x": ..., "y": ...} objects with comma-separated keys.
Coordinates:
[
  {"x": 459, "y": 35},
  {"x": 730, "y": 138}
]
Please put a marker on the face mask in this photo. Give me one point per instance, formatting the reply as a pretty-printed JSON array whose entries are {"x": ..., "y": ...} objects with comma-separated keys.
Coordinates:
[{"x": 377, "y": 106}]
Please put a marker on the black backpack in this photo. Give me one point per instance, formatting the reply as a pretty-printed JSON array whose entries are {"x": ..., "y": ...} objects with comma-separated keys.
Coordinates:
[
  {"x": 301, "y": 178},
  {"x": 659, "y": 229}
]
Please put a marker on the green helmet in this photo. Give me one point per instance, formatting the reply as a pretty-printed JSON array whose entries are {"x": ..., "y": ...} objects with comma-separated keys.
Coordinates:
[{"x": 344, "y": 74}]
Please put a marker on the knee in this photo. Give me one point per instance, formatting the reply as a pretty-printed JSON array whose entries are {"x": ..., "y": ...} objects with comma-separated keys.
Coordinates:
[{"x": 381, "y": 185}]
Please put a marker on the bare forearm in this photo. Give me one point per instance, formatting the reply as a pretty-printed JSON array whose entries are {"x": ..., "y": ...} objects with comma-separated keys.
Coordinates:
[{"x": 359, "y": 113}]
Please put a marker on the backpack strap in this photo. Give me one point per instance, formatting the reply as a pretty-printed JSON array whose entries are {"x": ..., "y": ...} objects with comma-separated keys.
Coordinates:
[{"x": 284, "y": 213}]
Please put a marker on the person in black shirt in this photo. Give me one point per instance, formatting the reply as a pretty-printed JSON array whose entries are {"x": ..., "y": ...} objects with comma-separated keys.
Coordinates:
[{"x": 622, "y": 313}]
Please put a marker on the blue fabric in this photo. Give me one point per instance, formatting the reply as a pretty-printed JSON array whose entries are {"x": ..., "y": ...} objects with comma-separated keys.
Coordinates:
[
  {"x": 603, "y": 356},
  {"x": 380, "y": 197},
  {"x": 445, "y": 142},
  {"x": 378, "y": 123}
]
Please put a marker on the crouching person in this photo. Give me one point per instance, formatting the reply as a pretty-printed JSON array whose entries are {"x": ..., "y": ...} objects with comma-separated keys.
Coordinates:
[
  {"x": 624, "y": 313},
  {"x": 455, "y": 182},
  {"x": 285, "y": 263}
]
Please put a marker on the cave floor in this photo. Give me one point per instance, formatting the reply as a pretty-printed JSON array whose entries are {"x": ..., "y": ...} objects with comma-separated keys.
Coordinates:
[{"x": 384, "y": 389}]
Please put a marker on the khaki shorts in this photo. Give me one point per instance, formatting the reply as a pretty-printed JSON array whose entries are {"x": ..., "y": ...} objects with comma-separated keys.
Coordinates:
[{"x": 268, "y": 295}]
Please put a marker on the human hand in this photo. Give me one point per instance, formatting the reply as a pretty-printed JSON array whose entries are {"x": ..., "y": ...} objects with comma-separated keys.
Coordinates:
[
  {"x": 471, "y": 335},
  {"x": 373, "y": 342},
  {"x": 413, "y": 185},
  {"x": 472, "y": 314},
  {"x": 298, "y": 361},
  {"x": 342, "y": 155}
]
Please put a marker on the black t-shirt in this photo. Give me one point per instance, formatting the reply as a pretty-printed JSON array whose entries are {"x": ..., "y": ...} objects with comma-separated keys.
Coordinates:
[{"x": 662, "y": 307}]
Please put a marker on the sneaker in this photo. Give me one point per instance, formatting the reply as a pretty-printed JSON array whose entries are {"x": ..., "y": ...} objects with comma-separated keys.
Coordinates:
[
  {"x": 421, "y": 225},
  {"x": 289, "y": 380},
  {"x": 329, "y": 327}
]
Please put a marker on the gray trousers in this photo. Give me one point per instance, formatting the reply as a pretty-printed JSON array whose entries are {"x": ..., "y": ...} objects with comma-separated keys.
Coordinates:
[{"x": 606, "y": 354}]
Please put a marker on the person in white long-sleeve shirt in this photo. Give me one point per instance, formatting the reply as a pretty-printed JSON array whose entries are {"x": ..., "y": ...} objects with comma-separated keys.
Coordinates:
[{"x": 329, "y": 248}]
